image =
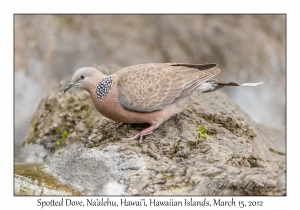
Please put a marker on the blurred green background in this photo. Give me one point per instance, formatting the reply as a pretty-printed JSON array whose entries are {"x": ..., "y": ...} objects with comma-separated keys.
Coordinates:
[{"x": 247, "y": 48}]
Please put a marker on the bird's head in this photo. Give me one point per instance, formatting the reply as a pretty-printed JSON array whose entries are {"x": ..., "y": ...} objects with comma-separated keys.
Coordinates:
[{"x": 84, "y": 78}]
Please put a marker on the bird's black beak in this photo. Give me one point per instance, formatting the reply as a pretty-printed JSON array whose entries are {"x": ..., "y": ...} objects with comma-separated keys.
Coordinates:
[{"x": 72, "y": 84}]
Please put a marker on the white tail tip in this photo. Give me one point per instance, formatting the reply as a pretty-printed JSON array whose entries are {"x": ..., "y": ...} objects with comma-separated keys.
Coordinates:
[{"x": 251, "y": 84}]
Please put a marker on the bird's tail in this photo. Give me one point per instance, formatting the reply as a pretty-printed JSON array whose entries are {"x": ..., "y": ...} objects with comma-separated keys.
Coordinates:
[{"x": 213, "y": 85}]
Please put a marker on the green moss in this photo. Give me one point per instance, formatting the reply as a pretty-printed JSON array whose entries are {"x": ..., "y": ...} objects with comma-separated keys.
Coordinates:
[
  {"x": 83, "y": 108},
  {"x": 33, "y": 177},
  {"x": 58, "y": 143},
  {"x": 57, "y": 130},
  {"x": 166, "y": 175},
  {"x": 86, "y": 107},
  {"x": 27, "y": 142},
  {"x": 35, "y": 127},
  {"x": 64, "y": 132},
  {"x": 64, "y": 135},
  {"x": 176, "y": 144},
  {"x": 178, "y": 186}
]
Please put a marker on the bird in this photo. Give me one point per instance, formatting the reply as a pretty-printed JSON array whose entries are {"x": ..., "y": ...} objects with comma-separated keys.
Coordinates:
[{"x": 147, "y": 93}]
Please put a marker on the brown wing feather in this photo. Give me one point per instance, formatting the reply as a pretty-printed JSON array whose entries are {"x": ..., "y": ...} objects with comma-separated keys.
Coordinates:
[
  {"x": 206, "y": 75},
  {"x": 151, "y": 87}
]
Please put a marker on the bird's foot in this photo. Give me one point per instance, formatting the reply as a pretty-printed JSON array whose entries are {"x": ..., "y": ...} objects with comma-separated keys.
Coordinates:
[{"x": 137, "y": 134}]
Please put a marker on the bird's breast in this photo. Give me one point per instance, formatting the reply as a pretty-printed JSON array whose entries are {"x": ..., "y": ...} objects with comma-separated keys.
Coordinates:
[{"x": 112, "y": 109}]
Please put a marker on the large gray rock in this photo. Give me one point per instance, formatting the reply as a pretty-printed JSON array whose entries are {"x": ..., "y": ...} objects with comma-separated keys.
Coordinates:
[
  {"x": 247, "y": 48},
  {"x": 239, "y": 157}
]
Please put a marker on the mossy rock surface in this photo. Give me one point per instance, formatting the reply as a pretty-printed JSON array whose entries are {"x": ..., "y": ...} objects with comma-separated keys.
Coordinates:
[{"x": 32, "y": 179}]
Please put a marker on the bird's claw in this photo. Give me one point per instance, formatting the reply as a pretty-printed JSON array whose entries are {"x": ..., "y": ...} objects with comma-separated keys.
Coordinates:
[
  {"x": 142, "y": 133},
  {"x": 136, "y": 135}
]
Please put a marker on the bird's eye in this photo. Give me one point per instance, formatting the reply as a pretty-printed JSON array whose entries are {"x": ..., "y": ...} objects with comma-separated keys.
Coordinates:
[{"x": 82, "y": 77}]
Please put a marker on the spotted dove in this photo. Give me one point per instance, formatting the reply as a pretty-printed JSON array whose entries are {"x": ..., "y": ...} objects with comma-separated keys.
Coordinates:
[{"x": 147, "y": 93}]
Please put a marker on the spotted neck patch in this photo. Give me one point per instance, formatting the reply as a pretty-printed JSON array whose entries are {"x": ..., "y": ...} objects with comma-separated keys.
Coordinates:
[{"x": 103, "y": 87}]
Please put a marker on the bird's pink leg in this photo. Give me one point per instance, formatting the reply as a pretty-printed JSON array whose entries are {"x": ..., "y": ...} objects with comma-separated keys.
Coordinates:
[{"x": 144, "y": 132}]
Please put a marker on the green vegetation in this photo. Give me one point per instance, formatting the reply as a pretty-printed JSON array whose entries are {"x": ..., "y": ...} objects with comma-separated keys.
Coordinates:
[
  {"x": 179, "y": 186},
  {"x": 176, "y": 144},
  {"x": 64, "y": 133},
  {"x": 85, "y": 108},
  {"x": 201, "y": 132},
  {"x": 166, "y": 175},
  {"x": 58, "y": 143}
]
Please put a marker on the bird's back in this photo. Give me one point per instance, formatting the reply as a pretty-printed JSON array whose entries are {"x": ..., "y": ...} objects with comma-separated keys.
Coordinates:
[{"x": 151, "y": 87}]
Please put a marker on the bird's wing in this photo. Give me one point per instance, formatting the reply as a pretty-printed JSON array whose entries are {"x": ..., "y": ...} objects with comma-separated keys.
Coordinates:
[{"x": 151, "y": 87}]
